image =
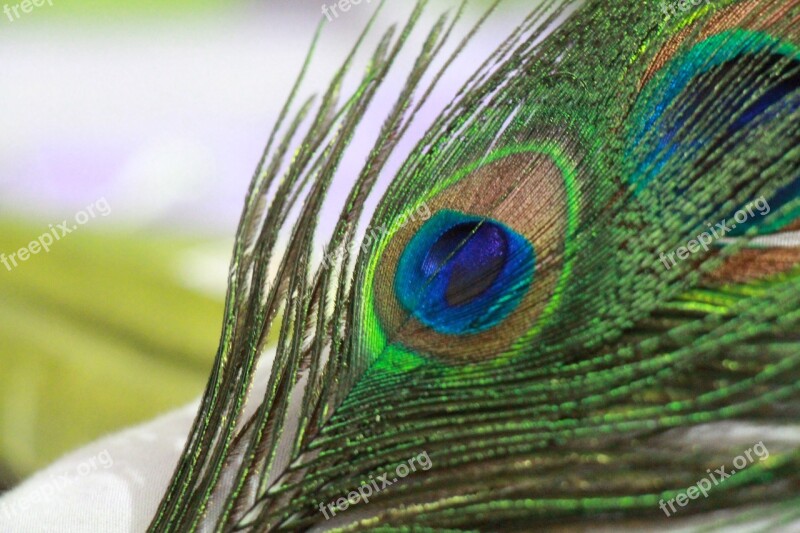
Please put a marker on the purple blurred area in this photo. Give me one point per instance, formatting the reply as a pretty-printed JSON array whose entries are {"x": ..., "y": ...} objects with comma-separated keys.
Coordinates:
[{"x": 165, "y": 116}]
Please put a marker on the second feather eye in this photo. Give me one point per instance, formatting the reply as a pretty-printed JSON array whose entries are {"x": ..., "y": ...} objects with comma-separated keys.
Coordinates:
[{"x": 719, "y": 96}]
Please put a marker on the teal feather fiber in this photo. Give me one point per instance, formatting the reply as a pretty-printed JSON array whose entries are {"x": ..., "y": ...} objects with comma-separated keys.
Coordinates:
[{"x": 555, "y": 338}]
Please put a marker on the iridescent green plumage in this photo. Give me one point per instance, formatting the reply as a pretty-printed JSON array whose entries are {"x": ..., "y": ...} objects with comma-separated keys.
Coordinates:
[{"x": 529, "y": 336}]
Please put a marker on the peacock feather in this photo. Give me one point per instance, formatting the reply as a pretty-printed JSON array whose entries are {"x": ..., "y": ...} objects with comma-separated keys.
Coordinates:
[{"x": 578, "y": 295}]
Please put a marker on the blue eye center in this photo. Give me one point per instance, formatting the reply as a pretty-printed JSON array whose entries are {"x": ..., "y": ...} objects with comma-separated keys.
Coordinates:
[
  {"x": 463, "y": 274},
  {"x": 474, "y": 253}
]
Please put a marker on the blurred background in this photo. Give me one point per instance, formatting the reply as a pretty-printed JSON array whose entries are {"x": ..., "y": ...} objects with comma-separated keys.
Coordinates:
[
  {"x": 140, "y": 125},
  {"x": 157, "y": 111}
]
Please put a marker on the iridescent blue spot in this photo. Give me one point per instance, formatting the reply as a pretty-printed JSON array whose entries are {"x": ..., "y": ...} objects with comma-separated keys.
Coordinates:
[{"x": 463, "y": 274}]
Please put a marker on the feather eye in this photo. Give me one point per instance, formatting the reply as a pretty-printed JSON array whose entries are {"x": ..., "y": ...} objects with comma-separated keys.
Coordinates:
[{"x": 482, "y": 272}]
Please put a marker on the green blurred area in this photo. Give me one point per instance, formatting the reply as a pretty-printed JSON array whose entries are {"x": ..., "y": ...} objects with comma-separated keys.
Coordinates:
[{"x": 95, "y": 335}]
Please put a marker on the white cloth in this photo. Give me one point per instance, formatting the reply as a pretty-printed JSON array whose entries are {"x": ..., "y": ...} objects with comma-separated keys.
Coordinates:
[{"x": 113, "y": 485}]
